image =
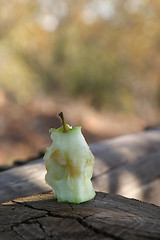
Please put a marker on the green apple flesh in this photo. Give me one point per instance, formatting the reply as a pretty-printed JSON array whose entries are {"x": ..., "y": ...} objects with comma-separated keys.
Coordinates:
[{"x": 69, "y": 164}]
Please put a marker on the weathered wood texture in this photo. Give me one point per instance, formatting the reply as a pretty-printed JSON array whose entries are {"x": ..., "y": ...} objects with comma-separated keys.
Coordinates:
[
  {"x": 128, "y": 165},
  {"x": 108, "y": 216}
]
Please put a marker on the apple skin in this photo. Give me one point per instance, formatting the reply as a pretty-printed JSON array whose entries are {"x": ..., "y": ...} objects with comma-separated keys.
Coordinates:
[{"x": 69, "y": 164}]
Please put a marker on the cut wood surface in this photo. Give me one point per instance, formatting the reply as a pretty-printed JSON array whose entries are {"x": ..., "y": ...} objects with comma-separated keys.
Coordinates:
[
  {"x": 107, "y": 216},
  {"x": 127, "y": 165}
]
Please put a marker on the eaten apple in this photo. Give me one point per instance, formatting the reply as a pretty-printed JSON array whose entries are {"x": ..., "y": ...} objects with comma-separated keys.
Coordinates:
[{"x": 69, "y": 163}]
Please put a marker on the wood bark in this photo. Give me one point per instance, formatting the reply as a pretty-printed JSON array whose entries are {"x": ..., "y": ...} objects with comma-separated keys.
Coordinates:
[{"x": 107, "y": 216}]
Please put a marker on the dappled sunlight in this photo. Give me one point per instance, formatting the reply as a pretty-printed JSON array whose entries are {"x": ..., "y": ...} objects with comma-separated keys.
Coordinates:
[
  {"x": 132, "y": 183},
  {"x": 23, "y": 182},
  {"x": 132, "y": 173}
]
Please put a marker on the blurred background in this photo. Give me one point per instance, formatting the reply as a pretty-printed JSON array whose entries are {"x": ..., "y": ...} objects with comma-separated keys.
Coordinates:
[{"x": 97, "y": 61}]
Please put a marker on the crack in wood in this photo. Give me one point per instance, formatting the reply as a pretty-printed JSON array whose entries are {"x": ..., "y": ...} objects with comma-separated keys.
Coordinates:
[
  {"x": 13, "y": 229},
  {"x": 103, "y": 196},
  {"x": 88, "y": 216},
  {"x": 28, "y": 221},
  {"x": 41, "y": 227},
  {"x": 96, "y": 230},
  {"x": 80, "y": 220},
  {"x": 108, "y": 216},
  {"x": 71, "y": 206}
]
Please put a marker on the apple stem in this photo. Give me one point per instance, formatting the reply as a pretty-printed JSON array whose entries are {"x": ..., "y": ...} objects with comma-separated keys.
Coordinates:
[{"x": 63, "y": 121}]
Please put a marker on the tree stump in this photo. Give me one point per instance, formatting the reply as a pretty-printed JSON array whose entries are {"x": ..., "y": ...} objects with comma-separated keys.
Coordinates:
[{"x": 107, "y": 216}]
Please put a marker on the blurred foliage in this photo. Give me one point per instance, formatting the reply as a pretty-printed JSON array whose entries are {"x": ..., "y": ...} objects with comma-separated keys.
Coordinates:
[{"x": 103, "y": 51}]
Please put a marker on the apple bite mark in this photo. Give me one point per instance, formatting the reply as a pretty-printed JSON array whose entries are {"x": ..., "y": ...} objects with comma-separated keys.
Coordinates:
[{"x": 69, "y": 164}]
